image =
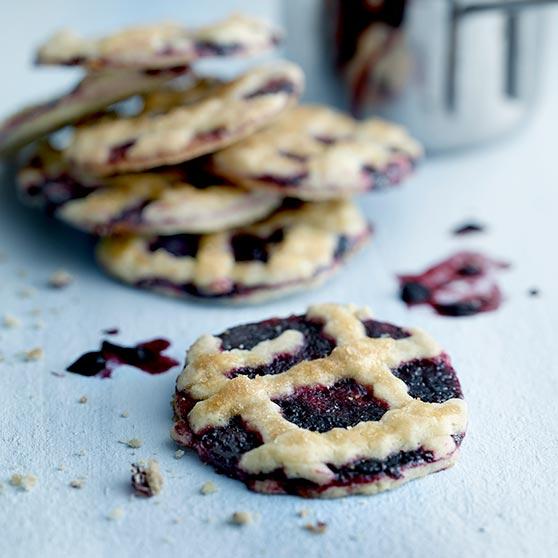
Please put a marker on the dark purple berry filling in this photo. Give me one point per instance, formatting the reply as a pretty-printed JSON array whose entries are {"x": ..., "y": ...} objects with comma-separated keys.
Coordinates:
[
  {"x": 118, "y": 152},
  {"x": 54, "y": 192},
  {"x": 367, "y": 470},
  {"x": 377, "y": 329},
  {"x": 211, "y": 135},
  {"x": 391, "y": 175},
  {"x": 273, "y": 86},
  {"x": 128, "y": 219},
  {"x": 209, "y": 48},
  {"x": 179, "y": 245},
  {"x": 468, "y": 228},
  {"x": 282, "y": 181},
  {"x": 316, "y": 343},
  {"x": 145, "y": 356},
  {"x": 222, "y": 446},
  {"x": 430, "y": 380},
  {"x": 342, "y": 405},
  {"x": 248, "y": 247},
  {"x": 174, "y": 70}
]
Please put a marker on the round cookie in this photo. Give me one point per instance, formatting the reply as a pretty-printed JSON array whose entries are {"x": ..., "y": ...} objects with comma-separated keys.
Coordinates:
[
  {"x": 93, "y": 93},
  {"x": 316, "y": 153},
  {"x": 324, "y": 404},
  {"x": 298, "y": 247},
  {"x": 230, "y": 113},
  {"x": 161, "y": 45},
  {"x": 176, "y": 200}
]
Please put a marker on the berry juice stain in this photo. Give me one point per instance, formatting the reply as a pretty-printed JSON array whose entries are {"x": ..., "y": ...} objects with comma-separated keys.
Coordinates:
[
  {"x": 146, "y": 356},
  {"x": 462, "y": 285},
  {"x": 470, "y": 227}
]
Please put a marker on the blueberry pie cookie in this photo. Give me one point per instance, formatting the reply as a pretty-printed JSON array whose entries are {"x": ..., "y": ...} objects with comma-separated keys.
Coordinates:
[
  {"x": 175, "y": 200},
  {"x": 324, "y": 404},
  {"x": 161, "y": 45},
  {"x": 232, "y": 112},
  {"x": 315, "y": 153},
  {"x": 94, "y": 93},
  {"x": 299, "y": 246}
]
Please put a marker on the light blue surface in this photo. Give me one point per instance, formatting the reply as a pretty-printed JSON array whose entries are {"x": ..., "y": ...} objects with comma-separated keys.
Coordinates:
[{"x": 500, "y": 499}]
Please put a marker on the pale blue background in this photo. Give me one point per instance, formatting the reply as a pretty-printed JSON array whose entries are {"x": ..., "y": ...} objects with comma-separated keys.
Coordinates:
[{"x": 499, "y": 501}]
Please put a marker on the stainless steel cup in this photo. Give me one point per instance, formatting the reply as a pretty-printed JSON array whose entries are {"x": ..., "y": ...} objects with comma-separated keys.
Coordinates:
[{"x": 455, "y": 72}]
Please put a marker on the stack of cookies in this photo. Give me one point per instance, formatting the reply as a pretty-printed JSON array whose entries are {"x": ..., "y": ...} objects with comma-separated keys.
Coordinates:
[{"x": 227, "y": 191}]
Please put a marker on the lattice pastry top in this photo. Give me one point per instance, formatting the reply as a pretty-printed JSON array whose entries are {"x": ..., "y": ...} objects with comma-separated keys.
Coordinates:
[
  {"x": 321, "y": 391},
  {"x": 161, "y": 45}
]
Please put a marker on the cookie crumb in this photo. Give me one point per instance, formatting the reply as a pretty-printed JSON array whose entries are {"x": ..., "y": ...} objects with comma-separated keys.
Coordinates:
[
  {"x": 124, "y": 414},
  {"x": 134, "y": 443},
  {"x": 25, "y": 482},
  {"x": 318, "y": 528},
  {"x": 116, "y": 514},
  {"x": 208, "y": 488},
  {"x": 241, "y": 518},
  {"x": 77, "y": 483},
  {"x": 147, "y": 480},
  {"x": 60, "y": 279},
  {"x": 303, "y": 512},
  {"x": 34, "y": 354},
  {"x": 26, "y": 292},
  {"x": 80, "y": 453},
  {"x": 10, "y": 321},
  {"x": 179, "y": 454},
  {"x": 61, "y": 467},
  {"x": 82, "y": 400}
]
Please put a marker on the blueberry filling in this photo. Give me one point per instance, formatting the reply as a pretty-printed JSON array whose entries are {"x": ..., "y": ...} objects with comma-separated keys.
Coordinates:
[
  {"x": 376, "y": 330},
  {"x": 393, "y": 466},
  {"x": 57, "y": 191},
  {"x": 118, "y": 152},
  {"x": 430, "y": 380},
  {"x": 248, "y": 247},
  {"x": 211, "y": 135},
  {"x": 283, "y": 181},
  {"x": 145, "y": 356},
  {"x": 131, "y": 216},
  {"x": 316, "y": 344},
  {"x": 391, "y": 175},
  {"x": 210, "y": 48},
  {"x": 222, "y": 446},
  {"x": 177, "y": 70},
  {"x": 342, "y": 405},
  {"x": 273, "y": 86},
  {"x": 179, "y": 245}
]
